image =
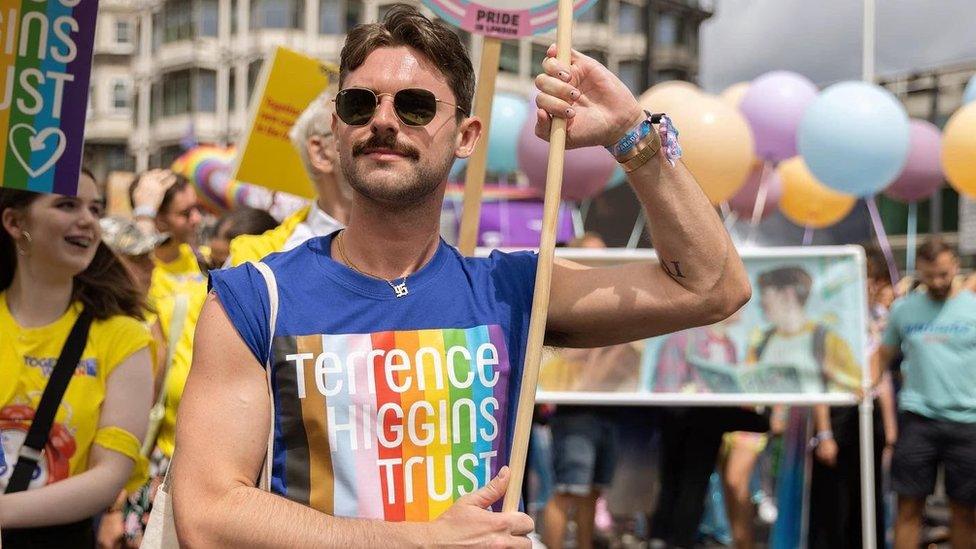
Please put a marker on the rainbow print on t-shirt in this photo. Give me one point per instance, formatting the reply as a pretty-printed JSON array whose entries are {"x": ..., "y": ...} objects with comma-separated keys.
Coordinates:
[{"x": 390, "y": 425}]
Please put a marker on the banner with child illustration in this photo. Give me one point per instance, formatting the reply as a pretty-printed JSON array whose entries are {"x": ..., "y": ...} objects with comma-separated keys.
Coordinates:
[{"x": 801, "y": 335}]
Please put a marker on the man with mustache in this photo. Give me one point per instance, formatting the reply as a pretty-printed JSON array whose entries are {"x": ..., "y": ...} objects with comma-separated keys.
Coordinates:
[
  {"x": 936, "y": 330},
  {"x": 395, "y": 362}
]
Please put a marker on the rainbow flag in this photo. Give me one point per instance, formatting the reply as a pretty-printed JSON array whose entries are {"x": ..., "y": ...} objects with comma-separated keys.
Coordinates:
[
  {"x": 45, "y": 65},
  {"x": 389, "y": 425}
]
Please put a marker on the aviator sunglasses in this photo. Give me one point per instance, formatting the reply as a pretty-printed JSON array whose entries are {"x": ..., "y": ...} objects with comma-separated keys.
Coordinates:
[{"x": 413, "y": 106}]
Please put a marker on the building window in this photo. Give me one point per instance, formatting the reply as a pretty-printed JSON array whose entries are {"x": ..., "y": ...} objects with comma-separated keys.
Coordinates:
[
  {"x": 629, "y": 73},
  {"x": 207, "y": 17},
  {"x": 253, "y": 72},
  {"x": 206, "y": 91},
  {"x": 123, "y": 32},
  {"x": 354, "y": 13},
  {"x": 596, "y": 14},
  {"x": 538, "y": 54},
  {"x": 277, "y": 14},
  {"x": 666, "y": 29},
  {"x": 331, "y": 17},
  {"x": 629, "y": 19},
  {"x": 121, "y": 100},
  {"x": 117, "y": 159},
  {"x": 671, "y": 74},
  {"x": 508, "y": 61},
  {"x": 232, "y": 91},
  {"x": 176, "y": 93},
  {"x": 168, "y": 154},
  {"x": 177, "y": 21}
]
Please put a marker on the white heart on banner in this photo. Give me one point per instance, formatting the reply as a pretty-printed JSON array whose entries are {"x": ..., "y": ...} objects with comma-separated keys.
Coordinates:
[{"x": 38, "y": 142}]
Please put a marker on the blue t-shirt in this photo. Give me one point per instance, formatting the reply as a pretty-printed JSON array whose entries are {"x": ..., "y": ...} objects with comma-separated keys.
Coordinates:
[
  {"x": 387, "y": 407},
  {"x": 939, "y": 342}
]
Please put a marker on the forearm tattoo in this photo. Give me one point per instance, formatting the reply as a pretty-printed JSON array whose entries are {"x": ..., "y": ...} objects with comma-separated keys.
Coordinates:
[{"x": 673, "y": 268}]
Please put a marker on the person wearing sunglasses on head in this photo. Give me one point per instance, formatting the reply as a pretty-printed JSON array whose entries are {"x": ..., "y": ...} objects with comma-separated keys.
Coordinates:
[
  {"x": 395, "y": 362},
  {"x": 313, "y": 140}
]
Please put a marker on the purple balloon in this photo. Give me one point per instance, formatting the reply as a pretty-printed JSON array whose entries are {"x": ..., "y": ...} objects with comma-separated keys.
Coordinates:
[
  {"x": 774, "y": 105},
  {"x": 744, "y": 200},
  {"x": 922, "y": 174},
  {"x": 586, "y": 171}
]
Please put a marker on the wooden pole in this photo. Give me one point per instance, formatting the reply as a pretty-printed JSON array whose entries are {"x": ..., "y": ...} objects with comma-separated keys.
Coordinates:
[
  {"x": 474, "y": 179},
  {"x": 540, "y": 301}
]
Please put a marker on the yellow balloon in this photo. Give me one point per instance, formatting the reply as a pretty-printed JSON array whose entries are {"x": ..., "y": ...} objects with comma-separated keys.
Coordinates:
[
  {"x": 959, "y": 150},
  {"x": 716, "y": 144},
  {"x": 664, "y": 97},
  {"x": 734, "y": 93},
  {"x": 808, "y": 202}
]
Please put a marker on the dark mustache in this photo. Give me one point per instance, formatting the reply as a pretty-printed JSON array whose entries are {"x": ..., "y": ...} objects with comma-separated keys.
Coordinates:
[{"x": 388, "y": 142}]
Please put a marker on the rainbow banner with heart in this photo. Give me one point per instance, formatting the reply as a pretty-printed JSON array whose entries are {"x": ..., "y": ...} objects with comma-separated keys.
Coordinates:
[{"x": 45, "y": 66}]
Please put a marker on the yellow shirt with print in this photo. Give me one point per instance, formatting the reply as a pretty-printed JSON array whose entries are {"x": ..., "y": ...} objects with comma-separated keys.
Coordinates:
[
  {"x": 254, "y": 247},
  {"x": 27, "y": 358},
  {"x": 169, "y": 279},
  {"x": 840, "y": 368}
]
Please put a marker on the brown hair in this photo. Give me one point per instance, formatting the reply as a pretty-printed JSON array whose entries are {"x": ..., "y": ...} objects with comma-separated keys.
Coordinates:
[
  {"x": 788, "y": 277},
  {"x": 877, "y": 265},
  {"x": 932, "y": 248},
  {"x": 406, "y": 26},
  {"x": 105, "y": 287}
]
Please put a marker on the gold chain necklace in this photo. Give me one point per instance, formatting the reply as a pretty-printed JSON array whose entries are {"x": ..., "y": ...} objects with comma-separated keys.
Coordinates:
[{"x": 399, "y": 289}]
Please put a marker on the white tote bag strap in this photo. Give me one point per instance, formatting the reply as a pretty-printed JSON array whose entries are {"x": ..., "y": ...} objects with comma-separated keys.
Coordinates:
[
  {"x": 161, "y": 528},
  {"x": 264, "y": 482}
]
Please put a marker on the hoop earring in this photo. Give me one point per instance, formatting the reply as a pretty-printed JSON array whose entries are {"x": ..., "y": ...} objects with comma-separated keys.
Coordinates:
[{"x": 29, "y": 240}]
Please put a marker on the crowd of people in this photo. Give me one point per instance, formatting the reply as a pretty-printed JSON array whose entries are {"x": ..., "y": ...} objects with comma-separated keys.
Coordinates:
[{"x": 112, "y": 354}]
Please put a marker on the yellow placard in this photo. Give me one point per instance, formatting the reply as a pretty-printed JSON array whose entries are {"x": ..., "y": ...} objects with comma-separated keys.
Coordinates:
[{"x": 289, "y": 82}]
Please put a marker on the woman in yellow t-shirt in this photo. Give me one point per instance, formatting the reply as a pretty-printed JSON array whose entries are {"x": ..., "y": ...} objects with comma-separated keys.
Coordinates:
[{"x": 52, "y": 265}]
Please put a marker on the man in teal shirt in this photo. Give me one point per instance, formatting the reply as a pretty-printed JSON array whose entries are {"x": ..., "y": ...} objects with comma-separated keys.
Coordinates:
[{"x": 936, "y": 329}]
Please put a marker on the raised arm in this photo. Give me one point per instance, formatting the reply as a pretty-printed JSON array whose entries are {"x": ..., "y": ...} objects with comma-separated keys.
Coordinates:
[
  {"x": 699, "y": 279},
  {"x": 221, "y": 434},
  {"x": 127, "y": 397}
]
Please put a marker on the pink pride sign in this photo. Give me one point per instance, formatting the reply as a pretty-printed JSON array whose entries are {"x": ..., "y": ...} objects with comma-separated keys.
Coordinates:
[{"x": 503, "y": 18}]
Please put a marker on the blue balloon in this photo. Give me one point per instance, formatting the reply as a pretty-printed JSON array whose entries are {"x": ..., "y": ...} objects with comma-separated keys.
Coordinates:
[
  {"x": 619, "y": 177},
  {"x": 969, "y": 94},
  {"x": 459, "y": 165},
  {"x": 508, "y": 114},
  {"x": 854, "y": 138}
]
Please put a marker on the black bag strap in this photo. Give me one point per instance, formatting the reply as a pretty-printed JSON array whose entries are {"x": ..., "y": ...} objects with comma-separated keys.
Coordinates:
[{"x": 40, "y": 429}]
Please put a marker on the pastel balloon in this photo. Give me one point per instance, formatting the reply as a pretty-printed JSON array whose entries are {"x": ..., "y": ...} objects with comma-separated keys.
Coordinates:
[
  {"x": 457, "y": 170},
  {"x": 959, "y": 150},
  {"x": 774, "y": 105},
  {"x": 922, "y": 175},
  {"x": 744, "y": 201},
  {"x": 717, "y": 145},
  {"x": 508, "y": 115},
  {"x": 734, "y": 93},
  {"x": 586, "y": 171},
  {"x": 969, "y": 94},
  {"x": 667, "y": 96},
  {"x": 619, "y": 177},
  {"x": 854, "y": 138},
  {"x": 808, "y": 202}
]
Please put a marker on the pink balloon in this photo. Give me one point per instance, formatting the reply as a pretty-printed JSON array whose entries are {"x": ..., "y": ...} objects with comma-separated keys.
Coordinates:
[
  {"x": 586, "y": 171},
  {"x": 922, "y": 175},
  {"x": 774, "y": 105},
  {"x": 744, "y": 200}
]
